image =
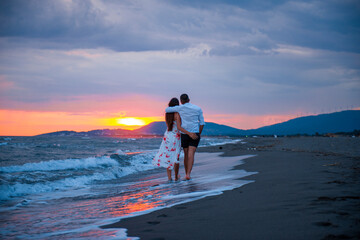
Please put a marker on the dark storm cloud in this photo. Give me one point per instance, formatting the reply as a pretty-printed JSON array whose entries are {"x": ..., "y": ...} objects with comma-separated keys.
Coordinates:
[
  {"x": 331, "y": 25},
  {"x": 231, "y": 27},
  {"x": 74, "y": 24},
  {"x": 258, "y": 5},
  {"x": 48, "y": 19}
]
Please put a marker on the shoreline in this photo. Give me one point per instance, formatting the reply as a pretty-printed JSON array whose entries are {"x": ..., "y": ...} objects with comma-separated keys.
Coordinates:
[{"x": 306, "y": 188}]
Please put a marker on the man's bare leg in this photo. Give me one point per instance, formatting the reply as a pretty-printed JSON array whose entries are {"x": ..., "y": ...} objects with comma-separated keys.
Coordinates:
[
  {"x": 176, "y": 170},
  {"x": 190, "y": 158},
  {"x": 186, "y": 150},
  {"x": 169, "y": 174}
]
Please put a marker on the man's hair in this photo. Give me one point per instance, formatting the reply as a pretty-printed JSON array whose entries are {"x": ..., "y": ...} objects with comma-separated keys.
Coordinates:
[{"x": 184, "y": 98}]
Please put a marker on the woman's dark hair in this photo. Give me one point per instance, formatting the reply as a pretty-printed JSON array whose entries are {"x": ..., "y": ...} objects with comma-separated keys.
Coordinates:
[{"x": 170, "y": 117}]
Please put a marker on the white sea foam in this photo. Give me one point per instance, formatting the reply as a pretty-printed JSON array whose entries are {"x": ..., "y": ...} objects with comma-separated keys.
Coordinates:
[
  {"x": 120, "y": 152},
  {"x": 118, "y": 234},
  {"x": 213, "y": 142},
  {"x": 19, "y": 189},
  {"x": 54, "y": 165},
  {"x": 44, "y": 176}
]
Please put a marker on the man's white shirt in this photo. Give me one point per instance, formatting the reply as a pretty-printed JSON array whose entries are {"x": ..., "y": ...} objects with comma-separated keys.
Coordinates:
[{"x": 191, "y": 116}]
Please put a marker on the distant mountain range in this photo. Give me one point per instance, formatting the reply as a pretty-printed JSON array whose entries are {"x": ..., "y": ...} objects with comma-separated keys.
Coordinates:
[
  {"x": 345, "y": 121},
  {"x": 210, "y": 129}
]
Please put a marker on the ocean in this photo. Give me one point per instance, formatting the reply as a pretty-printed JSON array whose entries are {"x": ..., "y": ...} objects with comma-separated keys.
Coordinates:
[{"x": 64, "y": 187}]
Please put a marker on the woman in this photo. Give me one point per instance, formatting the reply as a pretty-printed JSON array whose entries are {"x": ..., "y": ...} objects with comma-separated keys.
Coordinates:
[{"x": 169, "y": 152}]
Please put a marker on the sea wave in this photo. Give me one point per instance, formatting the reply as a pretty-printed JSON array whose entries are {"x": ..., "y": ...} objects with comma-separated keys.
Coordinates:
[
  {"x": 206, "y": 142},
  {"x": 54, "y": 165},
  {"x": 61, "y": 175}
]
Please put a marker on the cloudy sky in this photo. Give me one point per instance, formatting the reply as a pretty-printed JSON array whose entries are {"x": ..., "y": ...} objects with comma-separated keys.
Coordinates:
[{"x": 79, "y": 64}]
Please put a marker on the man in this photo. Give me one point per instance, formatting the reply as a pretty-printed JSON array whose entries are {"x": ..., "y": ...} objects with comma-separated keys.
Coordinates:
[{"x": 192, "y": 120}]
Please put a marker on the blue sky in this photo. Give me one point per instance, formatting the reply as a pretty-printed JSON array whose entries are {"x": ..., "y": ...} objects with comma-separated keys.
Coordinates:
[{"x": 234, "y": 58}]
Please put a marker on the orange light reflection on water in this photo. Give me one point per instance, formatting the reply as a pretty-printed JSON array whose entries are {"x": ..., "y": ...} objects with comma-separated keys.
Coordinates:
[{"x": 136, "y": 201}]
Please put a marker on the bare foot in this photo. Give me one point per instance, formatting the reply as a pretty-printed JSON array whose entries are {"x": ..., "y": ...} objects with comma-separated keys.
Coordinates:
[
  {"x": 177, "y": 178},
  {"x": 187, "y": 177}
]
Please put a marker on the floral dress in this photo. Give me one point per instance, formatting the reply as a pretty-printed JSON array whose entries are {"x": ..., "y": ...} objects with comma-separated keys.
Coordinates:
[{"x": 169, "y": 151}]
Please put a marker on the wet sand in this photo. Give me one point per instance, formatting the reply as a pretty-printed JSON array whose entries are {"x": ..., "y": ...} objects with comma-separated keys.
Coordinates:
[{"x": 306, "y": 188}]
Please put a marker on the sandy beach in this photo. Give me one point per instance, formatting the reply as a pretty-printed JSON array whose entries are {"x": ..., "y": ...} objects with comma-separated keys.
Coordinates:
[{"x": 306, "y": 188}]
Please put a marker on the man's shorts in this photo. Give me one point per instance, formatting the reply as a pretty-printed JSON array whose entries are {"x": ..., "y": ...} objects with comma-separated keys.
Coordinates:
[{"x": 187, "y": 141}]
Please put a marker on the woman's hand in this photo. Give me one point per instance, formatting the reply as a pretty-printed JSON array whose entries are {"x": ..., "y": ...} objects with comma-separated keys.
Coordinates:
[{"x": 193, "y": 135}]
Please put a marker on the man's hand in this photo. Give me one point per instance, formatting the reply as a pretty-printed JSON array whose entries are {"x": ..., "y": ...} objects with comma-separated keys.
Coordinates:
[
  {"x": 193, "y": 136},
  {"x": 201, "y": 128}
]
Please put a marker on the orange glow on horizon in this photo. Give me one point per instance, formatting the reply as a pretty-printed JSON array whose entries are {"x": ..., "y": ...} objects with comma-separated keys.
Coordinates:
[{"x": 30, "y": 123}]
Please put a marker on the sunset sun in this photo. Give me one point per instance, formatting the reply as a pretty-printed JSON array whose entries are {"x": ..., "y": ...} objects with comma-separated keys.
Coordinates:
[{"x": 130, "y": 121}]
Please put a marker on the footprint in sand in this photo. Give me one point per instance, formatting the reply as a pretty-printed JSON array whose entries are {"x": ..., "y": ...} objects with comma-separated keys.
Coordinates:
[
  {"x": 162, "y": 215},
  {"x": 153, "y": 222},
  {"x": 323, "y": 224}
]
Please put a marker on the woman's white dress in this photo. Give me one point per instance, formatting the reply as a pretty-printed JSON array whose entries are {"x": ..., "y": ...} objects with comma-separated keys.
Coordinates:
[{"x": 169, "y": 151}]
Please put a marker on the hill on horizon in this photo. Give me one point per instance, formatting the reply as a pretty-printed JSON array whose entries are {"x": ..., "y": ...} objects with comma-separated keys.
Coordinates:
[
  {"x": 345, "y": 121},
  {"x": 210, "y": 129}
]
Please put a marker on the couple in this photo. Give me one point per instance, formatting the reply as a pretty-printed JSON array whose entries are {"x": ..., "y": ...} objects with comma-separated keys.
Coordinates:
[{"x": 189, "y": 120}]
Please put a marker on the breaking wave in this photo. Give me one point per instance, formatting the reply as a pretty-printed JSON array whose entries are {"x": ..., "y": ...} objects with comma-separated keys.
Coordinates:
[{"x": 57, "y": 175}]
